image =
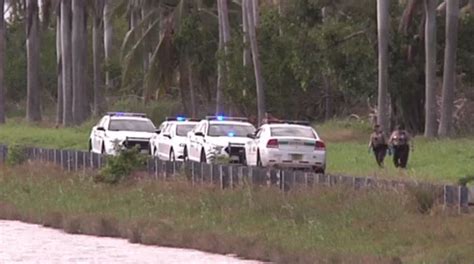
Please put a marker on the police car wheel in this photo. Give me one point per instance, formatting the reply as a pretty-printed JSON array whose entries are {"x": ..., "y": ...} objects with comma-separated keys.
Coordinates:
[
  {"x": 102, "y": 151},
  {"x": 172, "y": 157},
  {"x": 259, "y": 161},
  {"x": 185, "y": 154},
  {"x": 203, "y": 156}
]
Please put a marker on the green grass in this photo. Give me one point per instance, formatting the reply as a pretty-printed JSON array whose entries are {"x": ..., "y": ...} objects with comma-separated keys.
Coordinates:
[
  {"x": 45, "y": 135},
  {"x": 331, "y": 225},
  {"x": 433, "y": 160},
  {"x": 444, "y": 160}
]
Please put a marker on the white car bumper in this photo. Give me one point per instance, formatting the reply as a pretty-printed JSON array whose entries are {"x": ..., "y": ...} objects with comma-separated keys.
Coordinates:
[{"x": 286, "y": 159}]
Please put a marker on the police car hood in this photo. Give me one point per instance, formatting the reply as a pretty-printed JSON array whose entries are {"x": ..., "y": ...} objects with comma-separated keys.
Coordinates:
[
  {"x": 133, "y": 135},
  {"x": 224, "y": 141}
]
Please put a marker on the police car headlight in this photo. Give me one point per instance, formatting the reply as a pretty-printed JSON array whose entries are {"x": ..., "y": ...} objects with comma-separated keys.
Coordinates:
[{"x": 217, "y": 148}]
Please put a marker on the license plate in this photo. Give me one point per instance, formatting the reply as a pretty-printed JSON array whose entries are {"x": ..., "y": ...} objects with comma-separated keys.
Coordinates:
[{"x": 296, "y": 156}]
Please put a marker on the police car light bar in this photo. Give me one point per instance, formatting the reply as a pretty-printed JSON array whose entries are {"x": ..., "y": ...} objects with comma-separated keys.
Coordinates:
[
  {"x": 227, "y": 118},
  {"x": 126, "y": 114},
  {"x": 290, "y": 122},
  {"x": 182, "y": 119}
]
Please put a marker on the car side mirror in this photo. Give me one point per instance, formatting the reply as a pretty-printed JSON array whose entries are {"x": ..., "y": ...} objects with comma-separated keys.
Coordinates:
[
  {"x": 252, "y": 136},
  {"x": 157, "y": 131},
  {"x": 101, "y": 129},
  {"x": 167, "y": 135},
  {"x": 199, "y": 134}
]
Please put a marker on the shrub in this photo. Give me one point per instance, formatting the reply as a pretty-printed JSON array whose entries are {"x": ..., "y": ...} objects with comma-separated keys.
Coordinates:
[
  {"x": 424, "y": 197},
  {"x": 464, "y": 181},
  {"x": 121, "y": 166},
  {"x": 16, "y": 155}
]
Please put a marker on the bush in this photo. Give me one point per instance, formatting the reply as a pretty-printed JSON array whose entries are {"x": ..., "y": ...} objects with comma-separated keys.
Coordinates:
[
  {"x": 424, "y": 196},
  {"x": 121, "y": 166},
  {"x": 16, "y": 155},
  {"x": 155, "y": 110},
  {"x": 464, "y": 181}
]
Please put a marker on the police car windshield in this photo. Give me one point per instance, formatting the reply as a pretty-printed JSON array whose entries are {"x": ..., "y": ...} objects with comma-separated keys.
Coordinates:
[
  {"x": 233, "y": 130},
  {"x": 131, "y": 125},
  {"x": 289, "y": 131},
  {"x": 182, "y": 130}
]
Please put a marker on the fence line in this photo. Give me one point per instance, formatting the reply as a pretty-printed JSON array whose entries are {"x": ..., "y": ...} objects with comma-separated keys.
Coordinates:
[{"x": 231, "y": 176}]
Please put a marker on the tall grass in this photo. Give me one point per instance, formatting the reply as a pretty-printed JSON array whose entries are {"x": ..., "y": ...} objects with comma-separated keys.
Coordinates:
[{"x": 310, "y": 226}]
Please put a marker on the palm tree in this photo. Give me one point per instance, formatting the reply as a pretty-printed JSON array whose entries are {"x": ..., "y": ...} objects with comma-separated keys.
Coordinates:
[
  {"x": 430, "y": 58},
  {"x": 449, "y": 75},
  {"x": 261, "y": 108},
  {"x": 98, "y": 56},
  {"x": 383, "y": 37},
  {"x": 33, "y": 108},
  {"x": 2, "y": 63},
  {"x": 66, "y": 51}
]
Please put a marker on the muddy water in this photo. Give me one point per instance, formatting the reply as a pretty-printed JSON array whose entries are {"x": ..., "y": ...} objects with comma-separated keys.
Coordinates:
[{"x": 26, "y": 243}]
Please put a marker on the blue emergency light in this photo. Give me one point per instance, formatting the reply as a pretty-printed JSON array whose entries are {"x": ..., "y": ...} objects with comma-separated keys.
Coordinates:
[{"x": 231, "y": 134}]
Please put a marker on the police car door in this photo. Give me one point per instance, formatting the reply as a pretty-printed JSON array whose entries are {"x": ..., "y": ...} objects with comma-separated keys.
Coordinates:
[{"x": 166, "y": 141}]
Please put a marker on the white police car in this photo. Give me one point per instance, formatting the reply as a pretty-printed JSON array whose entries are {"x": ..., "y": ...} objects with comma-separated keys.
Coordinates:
[
  {"x": 170, "y": 142},
  {"x": 287, "y": 144},
  {"x": 218, "y": 136},
  {"x": 119, "y": 129}
]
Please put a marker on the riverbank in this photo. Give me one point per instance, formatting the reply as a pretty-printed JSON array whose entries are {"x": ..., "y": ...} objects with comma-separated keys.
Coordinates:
[{"x": 300, "y": 226}]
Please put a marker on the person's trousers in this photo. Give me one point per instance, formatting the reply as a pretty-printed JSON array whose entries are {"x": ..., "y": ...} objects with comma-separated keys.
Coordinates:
[
  {"x": 400, "y": 155},
  {"x": 379, "y": 153}
]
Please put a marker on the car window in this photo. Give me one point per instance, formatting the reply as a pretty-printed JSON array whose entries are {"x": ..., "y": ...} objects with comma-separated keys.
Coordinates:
[
  {"x": 290, "y": 131},
  {"x": 144, "y": 125},
  {"x": 167, "y": 129},
  {"x": 259, "y": 133},
  {"x": 233, "y": 130},
  {"x": 183, "y": 129}
]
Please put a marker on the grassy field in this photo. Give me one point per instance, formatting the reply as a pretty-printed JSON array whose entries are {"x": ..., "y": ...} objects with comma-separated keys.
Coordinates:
[
  {"x": 436, "y": 160},
  {"x": 322, "y": 225}
]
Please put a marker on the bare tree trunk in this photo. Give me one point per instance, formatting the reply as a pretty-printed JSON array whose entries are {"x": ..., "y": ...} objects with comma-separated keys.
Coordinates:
[
  {"x": 183, "y": 86},
  {"x": 383, "y": 36},
  {"x": 471, "y": 4},
  {"x": 108, "y": 38},
  {"x": 66, "y": 50},
  {"x": 59, "y": 105},
  {"x": 261, "y": 108},
  {"x": 33, "y": 108},
  {"x": 79, "y": 44},
  {"x": 246, "y": 52},
  {"x": 430, "y": 57},
  {"x": 98, "y": 57},
  {"x": 449, "y": 75},
  {"x": 2, "y": 62}
]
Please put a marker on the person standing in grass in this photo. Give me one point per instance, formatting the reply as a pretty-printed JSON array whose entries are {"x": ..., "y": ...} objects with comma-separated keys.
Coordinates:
[
  {"x": 378, "y": 144},
  {"x": 400, "y": 142}
]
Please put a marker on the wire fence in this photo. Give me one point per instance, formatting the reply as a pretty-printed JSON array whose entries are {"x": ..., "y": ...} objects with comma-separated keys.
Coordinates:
[{"x": 231, "y": 176}]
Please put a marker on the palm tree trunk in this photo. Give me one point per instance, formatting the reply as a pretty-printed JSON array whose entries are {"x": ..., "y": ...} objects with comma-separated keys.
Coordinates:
[
  {"x": 59, "y": 106},
  {"x": 220, "y": 69},
  {"x": 79, "y": 56},
  {"x": 98, "y": 57},
  {"x": 255, "y": 13},
  {"x": 108, "y": 38},
  {"x": 430, "y": 57},
  {"x": 33, "y": 108},
  {"x": 66, "y": 50},
  {"x": 246, "y": 52},
  {"x": 2, "y": 63},
  {"x": 192, "y": 92},
  {"x": 261, "y": 108},
  {"x": 383, "y": 36},
  {"x": 449, "y": 75}
]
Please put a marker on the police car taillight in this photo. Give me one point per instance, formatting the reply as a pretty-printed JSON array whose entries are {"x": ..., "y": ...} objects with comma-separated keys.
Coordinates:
[
  {"x": 319, "y": 145},
  {"x": 272, "y": 143}
]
